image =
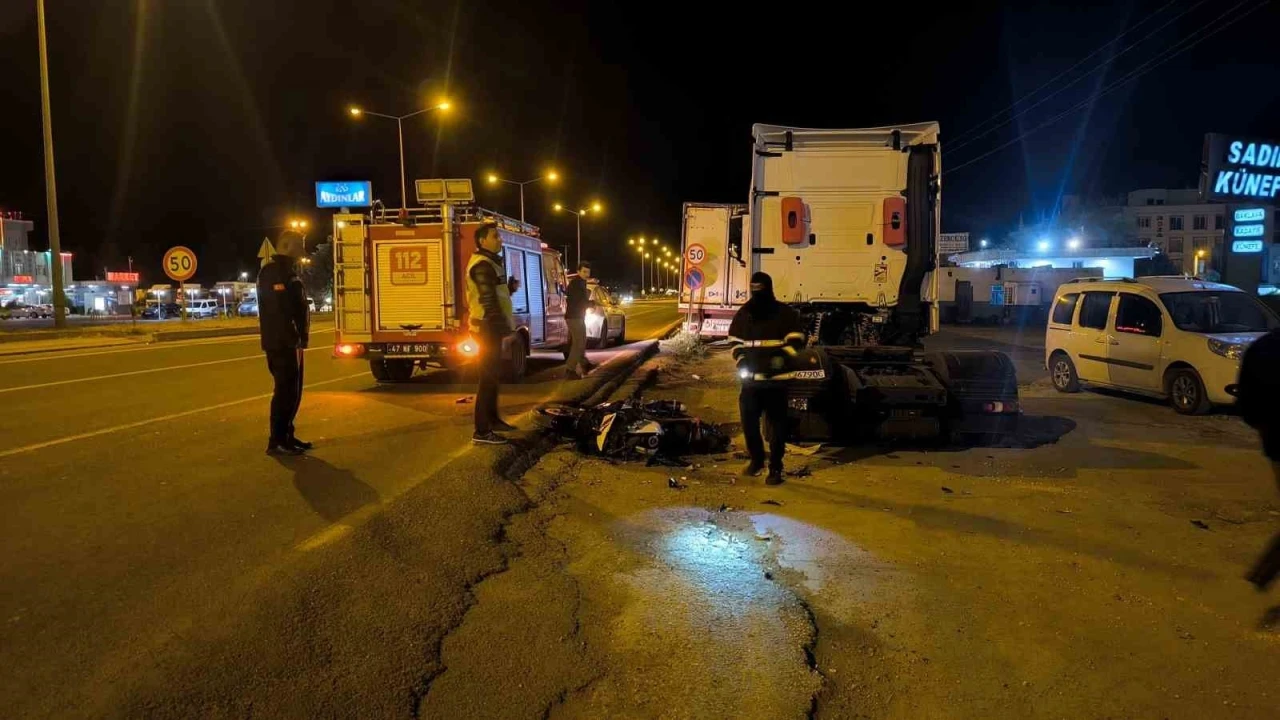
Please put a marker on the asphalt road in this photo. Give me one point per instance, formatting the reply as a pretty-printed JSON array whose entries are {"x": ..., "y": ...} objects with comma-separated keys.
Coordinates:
[{"x": 156, "y": 562}]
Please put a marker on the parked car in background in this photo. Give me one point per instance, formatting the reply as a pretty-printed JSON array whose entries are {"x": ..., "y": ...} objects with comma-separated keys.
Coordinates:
[
  {"x": 605, "y": 319},
  {"x": 248, "y": 307},
  {"x": 1174, "y": 338},
  {"x": 204, "y": 308},
  {"x": 22, "y": 311},
  {"x": 161, "y": 311}
]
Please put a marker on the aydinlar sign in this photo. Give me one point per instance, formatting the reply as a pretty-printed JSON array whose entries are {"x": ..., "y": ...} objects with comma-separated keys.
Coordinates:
[
  {"x": 1239, "y": 168},
  {"x": 344, "y": 193}
]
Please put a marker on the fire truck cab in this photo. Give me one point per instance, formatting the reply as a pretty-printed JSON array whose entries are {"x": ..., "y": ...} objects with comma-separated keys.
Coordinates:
[{"x": 399, "y": 289}]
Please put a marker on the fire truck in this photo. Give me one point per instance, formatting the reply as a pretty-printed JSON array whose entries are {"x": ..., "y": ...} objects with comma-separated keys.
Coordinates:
[{"x": 399, "y": 288}]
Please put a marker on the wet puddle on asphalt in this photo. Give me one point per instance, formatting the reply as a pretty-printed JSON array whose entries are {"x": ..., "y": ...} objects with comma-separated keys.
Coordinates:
[{"x": 713, "y": 617}]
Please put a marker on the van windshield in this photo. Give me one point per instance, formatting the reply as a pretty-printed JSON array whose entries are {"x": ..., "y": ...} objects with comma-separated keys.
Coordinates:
[{"x": 1218, "y": 312}]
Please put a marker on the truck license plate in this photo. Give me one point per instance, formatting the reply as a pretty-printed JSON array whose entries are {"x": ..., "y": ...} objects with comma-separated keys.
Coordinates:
[{"x": 409, "y": 349}]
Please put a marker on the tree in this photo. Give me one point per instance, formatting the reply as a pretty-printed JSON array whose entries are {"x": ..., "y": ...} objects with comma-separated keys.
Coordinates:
[{"x": 317, "y": 271}]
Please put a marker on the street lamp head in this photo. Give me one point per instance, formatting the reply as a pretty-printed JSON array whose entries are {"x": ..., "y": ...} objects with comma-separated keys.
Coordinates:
[
  {"x": 493, "y": 179},
  {"x": 355, "y": 111},
  {"x": 443, "y": 105},
  {"x": 596, "y": 206},
  {"x": 557, "y": 207},
  {"x": 631, "y": 241},
  {"x": 552, "y": 175},
  {"x": 582, "y": 211}
]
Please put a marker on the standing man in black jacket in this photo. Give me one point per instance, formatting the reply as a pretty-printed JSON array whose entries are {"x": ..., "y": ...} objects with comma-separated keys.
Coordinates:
[
  {"x": 490, "y": 319},
  {"x": 284, "y": 323},
  {"x": 575, "y": 316},
  {"x": 762, "y": 326}
]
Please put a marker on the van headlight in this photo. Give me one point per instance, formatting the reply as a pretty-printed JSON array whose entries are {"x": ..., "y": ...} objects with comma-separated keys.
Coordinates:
[{"x": 1229, "y": 350}]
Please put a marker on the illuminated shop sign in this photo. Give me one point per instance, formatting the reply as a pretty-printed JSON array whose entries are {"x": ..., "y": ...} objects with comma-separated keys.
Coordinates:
[
  {"x": 1248, "y": 231},
  {"x": 1241, "y": 168},
  {"x": 1246, "y": 246},
  {"x": 1250, "y": 215},
  {"x": 355, "y": 193}
]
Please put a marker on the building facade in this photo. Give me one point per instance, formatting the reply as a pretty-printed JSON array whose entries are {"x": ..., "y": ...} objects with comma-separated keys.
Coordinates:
[
  {"x": 26, "y": 276},
  {"x": 1175, "y": 222}
]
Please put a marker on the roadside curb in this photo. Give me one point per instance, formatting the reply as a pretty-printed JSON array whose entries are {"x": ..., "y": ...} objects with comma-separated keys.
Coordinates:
[
  {"x": 162, "y": 337},
  {"x": 18, "y": 353}
]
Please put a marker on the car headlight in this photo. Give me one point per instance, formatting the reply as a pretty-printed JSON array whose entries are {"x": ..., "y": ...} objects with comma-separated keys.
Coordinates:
[
  {"x": 744, "y": 373},
  {"x": 1229, "y": 350}
]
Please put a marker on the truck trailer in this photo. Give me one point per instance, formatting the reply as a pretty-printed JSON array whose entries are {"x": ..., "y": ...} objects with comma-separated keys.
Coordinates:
[{"x": 846, "y": 222}]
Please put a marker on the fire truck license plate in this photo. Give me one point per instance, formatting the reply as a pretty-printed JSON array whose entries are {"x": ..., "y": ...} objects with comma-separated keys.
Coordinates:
[{"x": 408, "y": 349}]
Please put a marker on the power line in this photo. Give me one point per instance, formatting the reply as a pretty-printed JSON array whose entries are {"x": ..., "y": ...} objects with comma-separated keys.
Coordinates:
[
  {"x": 1132, "y": 75},
  {"x": 961, "y": 141}
]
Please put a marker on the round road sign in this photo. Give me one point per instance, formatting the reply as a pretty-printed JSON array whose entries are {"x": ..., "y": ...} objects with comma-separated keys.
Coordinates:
[
  {"x": 180, "y": 264},
  {"x": 695, "y": 254},
  {"x": 693, "y": 279}
]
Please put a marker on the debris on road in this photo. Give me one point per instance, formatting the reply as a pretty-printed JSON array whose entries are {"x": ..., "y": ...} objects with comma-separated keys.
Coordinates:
[
  {"x": 802, "y": 471},
  {"x": 661, "y": 431},
  {"x": 808, "y": 449},
  {"x": 1200, "y": 524},
  {"x": 947, "y": 490},
  {"x": 772, "y": 502},
  {"x": 465, "y": 399},
  {"x": 675, "y": 484}
]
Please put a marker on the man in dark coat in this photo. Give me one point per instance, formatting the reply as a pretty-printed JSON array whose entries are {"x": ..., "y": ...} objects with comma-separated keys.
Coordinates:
[
  {"x": 284, "y": 324},
  {"x": 763, "y": 325},
  {"x": 1259, "y": 394}
]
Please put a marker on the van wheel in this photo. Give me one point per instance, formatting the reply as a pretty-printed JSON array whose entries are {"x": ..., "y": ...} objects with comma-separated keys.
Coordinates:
[
  {"x": 1186, "y": 392},
  {"x": 516, "y": 367},
  {"x": 1063, "y": 373}
]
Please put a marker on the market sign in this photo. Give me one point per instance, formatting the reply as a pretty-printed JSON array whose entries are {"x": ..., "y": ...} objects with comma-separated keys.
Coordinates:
[
  {"x": 1246, "y": 246},
  {"x": 122, "y": 277},
  {"x": 344, "y": 193},
  {"x": 23, "y": 279},
  {"x": 1238, "y": 168}
]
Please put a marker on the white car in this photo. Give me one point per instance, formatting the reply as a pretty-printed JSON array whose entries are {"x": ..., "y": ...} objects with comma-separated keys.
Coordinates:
[
  {"x": 605, "y": 321},
  {"x": 203, "y": 309},
  {"x": 1175, "y": 338}
]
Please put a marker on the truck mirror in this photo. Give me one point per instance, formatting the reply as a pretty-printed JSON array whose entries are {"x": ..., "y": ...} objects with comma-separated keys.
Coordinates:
[{"x": 735, "y": 238}]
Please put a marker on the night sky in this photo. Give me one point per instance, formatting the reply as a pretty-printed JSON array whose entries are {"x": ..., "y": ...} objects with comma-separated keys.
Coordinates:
[{"x": 206, "y": 122}]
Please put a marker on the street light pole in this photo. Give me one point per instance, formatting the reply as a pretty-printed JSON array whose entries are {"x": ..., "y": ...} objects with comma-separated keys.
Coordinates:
[
  {"x": 357, "y": 112},
  {"x": 50, "y": 181},
  {"x": 551, "y": 176},
  {"x": 404, "y": 203}
]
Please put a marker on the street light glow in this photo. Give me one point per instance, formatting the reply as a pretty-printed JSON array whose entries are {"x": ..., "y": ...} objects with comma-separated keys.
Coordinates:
[
  {"x": 982, "y": 243},
  {"x": 1043, "y": 245},
  {"x": 355, "y": 111},
  {"x": 595, "y": 206},
  {"x": 493, "y": 179},
  {"x": 553, "y": 176},
  {"x": 443, "y": 105},
  {"x": 1073, "y": 243},
  {"x": 557, "y": 207}
]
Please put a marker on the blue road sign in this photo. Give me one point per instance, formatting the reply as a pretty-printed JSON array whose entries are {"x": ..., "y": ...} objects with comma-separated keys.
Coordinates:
[{"x": 693, "y": 279}]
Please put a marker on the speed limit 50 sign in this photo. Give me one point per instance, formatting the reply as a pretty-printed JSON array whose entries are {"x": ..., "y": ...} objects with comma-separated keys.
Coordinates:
[
  {"x": 180, "y": 264},
  {"x": 695, "y": 254}
]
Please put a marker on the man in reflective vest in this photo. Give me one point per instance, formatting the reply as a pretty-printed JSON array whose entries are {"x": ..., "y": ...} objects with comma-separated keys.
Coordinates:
[
  {"x": 284, "y": 326},
  {"x": 489, "y": 315},
  {"x": 763, "y": 327}
]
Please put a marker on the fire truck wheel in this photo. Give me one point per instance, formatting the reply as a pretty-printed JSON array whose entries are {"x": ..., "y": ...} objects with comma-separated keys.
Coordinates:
[
  {"x": 379, "y": 369},
  {"x": 515, "y": 367},
  {"x": 400, "y": 371}
]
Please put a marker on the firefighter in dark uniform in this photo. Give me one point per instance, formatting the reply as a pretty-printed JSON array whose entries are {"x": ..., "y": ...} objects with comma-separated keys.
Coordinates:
[
  {"x": 489, "y": 315},
  {"x": 763, "y": 326},
  {"x": 284, "y": 324}
]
